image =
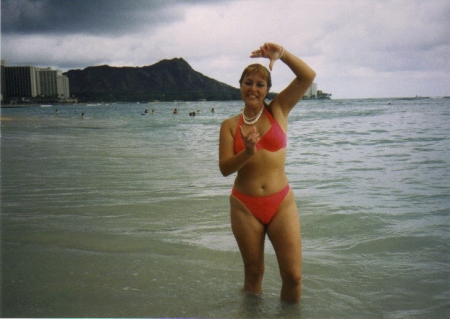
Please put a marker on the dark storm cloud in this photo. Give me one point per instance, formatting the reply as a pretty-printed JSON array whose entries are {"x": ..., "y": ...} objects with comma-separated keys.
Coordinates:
[{"x": 86, "y": 16}]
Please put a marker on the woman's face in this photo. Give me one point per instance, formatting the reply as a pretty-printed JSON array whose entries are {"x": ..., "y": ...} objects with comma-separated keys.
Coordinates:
[{"x": 254, "y": 89}]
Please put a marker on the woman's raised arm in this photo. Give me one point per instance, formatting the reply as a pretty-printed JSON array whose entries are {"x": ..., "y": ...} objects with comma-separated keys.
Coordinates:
[{"x": 290, "y": 96}]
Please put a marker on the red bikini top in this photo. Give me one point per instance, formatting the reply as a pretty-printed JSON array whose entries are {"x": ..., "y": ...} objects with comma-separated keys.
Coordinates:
[{"x": 273, "y": 140}]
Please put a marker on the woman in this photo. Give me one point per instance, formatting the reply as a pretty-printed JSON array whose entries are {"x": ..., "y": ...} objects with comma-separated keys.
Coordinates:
[{"x": 254, "y": 145}]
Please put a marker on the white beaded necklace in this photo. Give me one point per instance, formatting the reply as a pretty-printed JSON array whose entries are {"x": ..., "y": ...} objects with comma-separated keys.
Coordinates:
[{"x": 253, "y": 120}]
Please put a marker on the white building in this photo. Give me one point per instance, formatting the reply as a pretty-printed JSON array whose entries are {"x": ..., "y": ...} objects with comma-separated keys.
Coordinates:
[
  {"x": 47, "y": 78},
  {"x": 62, "y": 85},
  {"x": 311, "y": 93}
]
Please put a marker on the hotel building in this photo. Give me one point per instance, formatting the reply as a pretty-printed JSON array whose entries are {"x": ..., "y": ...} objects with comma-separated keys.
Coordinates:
[
  {"x": 311, "y": 93},
  {"x": 25, "y": 82}
]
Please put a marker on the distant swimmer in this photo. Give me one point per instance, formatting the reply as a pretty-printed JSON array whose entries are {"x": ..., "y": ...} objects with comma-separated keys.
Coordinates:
[
  {"x": 56, "y": 111},
  {"x": 175, "y": 111},
  {"x": 212, "y": 110},
  {"x": 153, "y": 111},
  {"x": 145, "y": 112}
]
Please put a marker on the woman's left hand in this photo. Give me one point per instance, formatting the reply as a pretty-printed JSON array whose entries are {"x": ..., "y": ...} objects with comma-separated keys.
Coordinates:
[{"x": 271, "y": 51}]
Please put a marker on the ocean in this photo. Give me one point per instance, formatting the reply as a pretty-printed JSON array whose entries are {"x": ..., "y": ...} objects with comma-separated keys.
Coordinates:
[{"x": 119, "y": 214}]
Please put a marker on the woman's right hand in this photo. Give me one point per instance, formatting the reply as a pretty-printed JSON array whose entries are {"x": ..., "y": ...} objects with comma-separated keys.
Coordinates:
[
  {"x": 250, "y": 140},
  {"x": 271, "y": 51}
]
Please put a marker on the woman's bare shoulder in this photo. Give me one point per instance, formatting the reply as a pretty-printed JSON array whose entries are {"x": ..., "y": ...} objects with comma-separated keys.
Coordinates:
[{"x": 231, "y": 122}]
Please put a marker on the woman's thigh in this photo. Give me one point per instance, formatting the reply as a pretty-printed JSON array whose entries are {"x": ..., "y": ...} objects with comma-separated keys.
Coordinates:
[
  {"x": 249, "y": 233},
  {"x": 284, "y": 233}
]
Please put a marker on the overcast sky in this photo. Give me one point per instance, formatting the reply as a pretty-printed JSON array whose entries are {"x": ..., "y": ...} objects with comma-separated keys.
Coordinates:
[{"x": 358, "y": 48}]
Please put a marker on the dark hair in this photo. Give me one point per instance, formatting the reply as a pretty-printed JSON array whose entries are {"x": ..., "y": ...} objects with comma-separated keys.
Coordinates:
[{"x": 257, "y": 68}]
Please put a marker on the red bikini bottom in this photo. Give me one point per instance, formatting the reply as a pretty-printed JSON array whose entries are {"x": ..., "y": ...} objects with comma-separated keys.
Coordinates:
[{"x": 263, "y": 208}]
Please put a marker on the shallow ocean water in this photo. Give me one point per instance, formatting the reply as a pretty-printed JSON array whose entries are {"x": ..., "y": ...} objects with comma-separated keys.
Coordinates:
[{"x": 118, "y": 214}]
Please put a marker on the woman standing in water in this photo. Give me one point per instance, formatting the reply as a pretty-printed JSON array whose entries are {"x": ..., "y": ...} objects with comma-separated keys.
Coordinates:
[{"x": 253, "y": 144}]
